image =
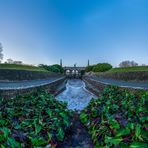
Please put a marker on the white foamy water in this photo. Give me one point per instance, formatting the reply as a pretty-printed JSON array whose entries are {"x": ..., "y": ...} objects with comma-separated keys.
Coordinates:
[{"x": 76, "y": 95}]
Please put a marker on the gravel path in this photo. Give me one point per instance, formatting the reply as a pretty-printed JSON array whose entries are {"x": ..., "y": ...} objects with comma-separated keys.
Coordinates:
[
  {"x": 27, "y": 84},
  {"x": 136, "y": 85}
]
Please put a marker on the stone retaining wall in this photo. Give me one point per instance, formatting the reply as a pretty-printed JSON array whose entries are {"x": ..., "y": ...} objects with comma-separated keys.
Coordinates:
[
  {"x": 126, "y": 76},
  {"x": 93, "y": 86},
  {"x": 20, "y": 75},
  {"x": 54, "y": 87},
  {"x": 97, "y": 87}
]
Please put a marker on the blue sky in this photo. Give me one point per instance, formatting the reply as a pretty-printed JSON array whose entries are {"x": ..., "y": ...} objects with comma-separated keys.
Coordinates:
[{"x": 44, "y": 31}]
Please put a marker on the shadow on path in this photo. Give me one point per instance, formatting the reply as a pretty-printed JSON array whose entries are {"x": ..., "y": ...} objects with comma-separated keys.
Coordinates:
[{"x": 77, "y": 136}]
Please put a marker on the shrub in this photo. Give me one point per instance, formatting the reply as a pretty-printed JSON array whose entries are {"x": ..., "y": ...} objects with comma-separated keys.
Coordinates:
[
  {"x": 128, "y": 64},
  {"x": 89, "y": 68},
  {"x": 82, "y": 72},
  {"x": 102, "y": 67},
  {"x": 59, "y": 67},
  {"x": 53, "y": 68}
]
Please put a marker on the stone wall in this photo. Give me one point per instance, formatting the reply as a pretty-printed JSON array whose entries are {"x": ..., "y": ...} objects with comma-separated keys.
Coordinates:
[
  {"x": 20, "y": 75},
  {"x": 126, "y": 76},
  {"x": 97, "y": 87},
  {"x": 93, "y": 86},
  {"x": 54, "y": 87}
]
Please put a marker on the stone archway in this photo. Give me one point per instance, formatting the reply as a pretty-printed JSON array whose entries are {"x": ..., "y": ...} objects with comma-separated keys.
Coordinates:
[{"x": 73, "y": 72}]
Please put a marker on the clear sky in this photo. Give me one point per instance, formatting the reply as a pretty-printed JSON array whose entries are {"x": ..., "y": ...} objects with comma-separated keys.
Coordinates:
[{"x": 44, "y": 31}]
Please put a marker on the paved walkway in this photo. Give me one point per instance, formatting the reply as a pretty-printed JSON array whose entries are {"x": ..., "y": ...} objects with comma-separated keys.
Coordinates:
[
  {"x": 36, "y": 83},
  {"x": 135, "y": 85},
  {"x": 27, "y": 84}
]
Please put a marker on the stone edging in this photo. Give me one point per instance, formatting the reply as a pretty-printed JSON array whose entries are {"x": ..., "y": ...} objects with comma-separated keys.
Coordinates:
[
  {"x": 53, "y": 87},
  {"x": 96, "y": 86}
]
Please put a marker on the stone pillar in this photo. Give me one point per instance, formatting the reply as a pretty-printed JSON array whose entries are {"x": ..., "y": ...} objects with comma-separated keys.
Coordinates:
[
  {"x": 61, "y": 64},
  {"x": 88, "y": 63}
]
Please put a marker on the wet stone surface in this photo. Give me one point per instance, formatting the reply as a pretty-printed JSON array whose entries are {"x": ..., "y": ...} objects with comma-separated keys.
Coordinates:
[
  {"x": 77, "y": 98},
  {"x": 77, "y": 136},
  {"x": 76, "y": 95}
]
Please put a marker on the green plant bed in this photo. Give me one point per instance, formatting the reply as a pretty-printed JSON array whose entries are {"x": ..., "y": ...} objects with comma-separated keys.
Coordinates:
[
  {"x": 35, "y": 120},
  {"x": 117, "y": 118}
]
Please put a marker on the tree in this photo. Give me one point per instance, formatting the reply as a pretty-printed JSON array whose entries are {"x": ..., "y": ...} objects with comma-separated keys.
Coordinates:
[
  {"x": 53, "y": 68},
  {"x": 102, "y": 67},
  {"x": 89, "y": 68},
  {"x": 59, "y": 67},
  {"x": 18, "y": 62},
  {"x": 1, "y": 54},
  {"x": 133, "y": 63},
  {"x": 128, "y": 64},
  {"x": 9, "y": 61}
]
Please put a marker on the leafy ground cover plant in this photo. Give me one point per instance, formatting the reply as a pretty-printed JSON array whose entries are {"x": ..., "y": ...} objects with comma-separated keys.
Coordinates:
[
  {"x": 36, "y": 120},
  {"x": 117, "y": 119}
]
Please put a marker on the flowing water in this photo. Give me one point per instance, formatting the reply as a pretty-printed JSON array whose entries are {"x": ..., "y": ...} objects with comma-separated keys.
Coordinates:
[
  {"x": 77, "y": 98},
  {"x": 76, "y": 95}
]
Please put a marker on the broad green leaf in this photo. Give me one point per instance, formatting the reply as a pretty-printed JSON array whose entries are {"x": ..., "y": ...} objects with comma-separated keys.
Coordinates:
[
  {"x": 131, "y": 126},
  {"x": 49, "y": 112},
  {"x": 49, "y": 136},
  {"x": 122, "y": 132},
  {"x": 66, "y": 122},
  {"x": 114, "y": 124},
  {"x": 138, "y": 130},
  {"x": 144, "y": 134},
  {"x": 13, "y": 143},
  {"x": 94, "y": 112},
  {"x": 138, "y": 145},
  {"x": 60, "y": 134},
  {"x": 84, "y": 118},
  {"x": 2, "y": 146},
  {"x": 38, "y": 141},
  {"x": 4, "y": 122},
  {"x": 6, "y": 131},
  {"x": 63, "y": 115},
  {"x": 38, "y": 128},
  {"x": 113, "y": 140}
]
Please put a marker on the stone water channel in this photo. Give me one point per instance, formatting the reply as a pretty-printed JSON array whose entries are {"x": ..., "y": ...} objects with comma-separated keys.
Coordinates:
[
  {"x": 76, "y": 95},
  {"x": 77, "y": 98}
]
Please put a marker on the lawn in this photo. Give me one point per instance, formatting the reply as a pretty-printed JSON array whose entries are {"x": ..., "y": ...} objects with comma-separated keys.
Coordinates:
[
  {"x": 22, "y": 67},
  {"x": 129, "y": 69}
]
